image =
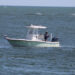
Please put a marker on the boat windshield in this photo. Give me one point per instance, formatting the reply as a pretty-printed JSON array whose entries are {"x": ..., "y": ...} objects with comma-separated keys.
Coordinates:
[
  {"x": 33, "y": 31},
  {"x": 30, "y": 31}
]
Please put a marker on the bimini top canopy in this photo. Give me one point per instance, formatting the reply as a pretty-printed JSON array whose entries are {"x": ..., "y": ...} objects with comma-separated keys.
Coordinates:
[{"x": 36, "y": 27}]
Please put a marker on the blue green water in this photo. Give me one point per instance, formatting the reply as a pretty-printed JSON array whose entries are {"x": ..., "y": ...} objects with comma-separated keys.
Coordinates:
[{"x": 37, "y": 61}]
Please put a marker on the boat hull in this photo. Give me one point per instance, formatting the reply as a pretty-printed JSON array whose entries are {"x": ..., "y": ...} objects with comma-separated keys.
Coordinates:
[{"x": 29, "y": 43}]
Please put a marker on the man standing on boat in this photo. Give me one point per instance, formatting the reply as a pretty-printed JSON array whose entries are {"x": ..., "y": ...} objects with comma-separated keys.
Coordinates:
[{"x": 46, "y": 36}]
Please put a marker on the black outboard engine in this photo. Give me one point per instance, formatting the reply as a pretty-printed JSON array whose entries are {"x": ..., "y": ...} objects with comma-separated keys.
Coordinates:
[{"x": 54, "y": 39}]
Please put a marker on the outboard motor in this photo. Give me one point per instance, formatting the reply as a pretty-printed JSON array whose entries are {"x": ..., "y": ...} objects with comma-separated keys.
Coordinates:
[{"x": 54, "y": 39}]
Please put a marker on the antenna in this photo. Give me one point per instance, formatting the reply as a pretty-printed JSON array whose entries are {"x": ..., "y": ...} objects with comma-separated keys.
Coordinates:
[{"x": 51, "y": 37}]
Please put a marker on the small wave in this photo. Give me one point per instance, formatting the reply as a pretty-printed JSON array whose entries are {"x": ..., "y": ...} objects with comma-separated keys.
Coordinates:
[
  {"x": 39, "y": 14},
  {"x": 30, "y": 71},
  {"x": 73, "y": 14}
]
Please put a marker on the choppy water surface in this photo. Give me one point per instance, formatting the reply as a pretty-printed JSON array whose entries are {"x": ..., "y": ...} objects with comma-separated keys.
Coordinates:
[{"x": 37, "y": 61}]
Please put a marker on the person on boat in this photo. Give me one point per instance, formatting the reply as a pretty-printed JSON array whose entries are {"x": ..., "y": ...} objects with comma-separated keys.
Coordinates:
[{"x": 46, "y": 36}]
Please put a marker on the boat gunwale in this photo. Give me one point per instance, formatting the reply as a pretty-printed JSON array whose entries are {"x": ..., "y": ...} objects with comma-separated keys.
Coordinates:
[{"x": 14, "y": 39}]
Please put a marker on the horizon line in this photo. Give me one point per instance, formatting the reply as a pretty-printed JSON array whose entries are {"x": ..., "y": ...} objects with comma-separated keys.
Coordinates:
[{"x": 35, "y": 6}]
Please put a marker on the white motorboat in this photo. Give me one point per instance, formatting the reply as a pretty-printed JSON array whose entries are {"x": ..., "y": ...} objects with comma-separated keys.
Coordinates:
[{"x": 34, "y": 39}]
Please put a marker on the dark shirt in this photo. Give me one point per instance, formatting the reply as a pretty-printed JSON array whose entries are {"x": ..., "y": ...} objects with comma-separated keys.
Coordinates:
[{"x": 46, "y": 36}]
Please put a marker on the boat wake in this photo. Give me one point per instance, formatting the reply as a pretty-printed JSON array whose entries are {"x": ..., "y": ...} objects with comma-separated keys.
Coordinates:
[{"x": 67, "y": 47}]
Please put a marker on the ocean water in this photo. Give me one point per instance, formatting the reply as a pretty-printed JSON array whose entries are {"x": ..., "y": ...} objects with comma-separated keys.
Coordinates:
[{"x": 37, "y": 61}]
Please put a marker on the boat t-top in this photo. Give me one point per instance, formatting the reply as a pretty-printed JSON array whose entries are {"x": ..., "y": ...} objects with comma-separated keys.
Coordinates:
[{"x": 34, "y": 39}]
